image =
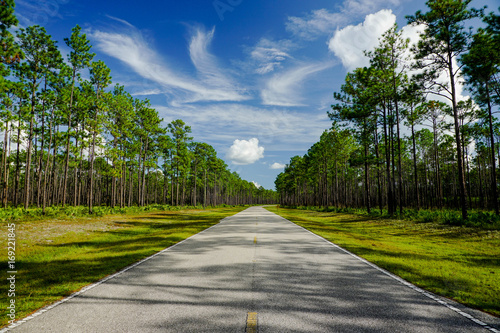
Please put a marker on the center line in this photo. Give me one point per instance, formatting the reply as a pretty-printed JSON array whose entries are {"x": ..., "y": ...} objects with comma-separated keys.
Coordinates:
[{"x": 251, "y": 322}]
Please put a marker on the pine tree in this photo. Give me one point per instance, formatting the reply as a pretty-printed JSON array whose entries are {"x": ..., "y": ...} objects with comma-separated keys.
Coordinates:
[
  {"x": 443, "y": 40},
  {"x": 100, "y": 79},
  {"x": 482, "y": 65},
  {"x": 79, "y": 58},
  {"x": 42, "y": 56}
]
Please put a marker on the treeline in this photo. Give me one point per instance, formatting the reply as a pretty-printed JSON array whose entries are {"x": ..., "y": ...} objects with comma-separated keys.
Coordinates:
[
  {"x": 394, "y": 142},
  {"x": 69, "y": 138}
]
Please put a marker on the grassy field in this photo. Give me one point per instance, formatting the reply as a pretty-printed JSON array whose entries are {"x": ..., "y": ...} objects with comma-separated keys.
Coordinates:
[
  {"x": 56, "y": 257},
  {"x": 457, "y": 262}
]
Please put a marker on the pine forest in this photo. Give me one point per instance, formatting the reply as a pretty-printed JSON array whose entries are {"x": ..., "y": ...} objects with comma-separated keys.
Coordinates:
[
  {"x": 402, "y": 139},
  {"x": 72, "y": 138}
]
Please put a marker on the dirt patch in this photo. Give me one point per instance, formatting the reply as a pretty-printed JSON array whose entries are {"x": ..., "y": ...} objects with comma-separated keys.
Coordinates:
[{"x": 46, "y": 231}]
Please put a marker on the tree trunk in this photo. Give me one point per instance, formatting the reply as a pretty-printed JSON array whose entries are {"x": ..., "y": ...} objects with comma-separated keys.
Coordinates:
[
  {"x": 68, "y": 142},
  {"x": 415, "y": 169},
  {"x": 461, "y": 178},
  {"x": 390, "y": 202},
  {"x": 367, "y": 178},
  {"x": 18, "y": 163},
  {"x": 494, "y": 191},
  {"x": 5, "y": 166},
  {"x": 194, "y": 179},
  {"x": 28, "y": 158}
]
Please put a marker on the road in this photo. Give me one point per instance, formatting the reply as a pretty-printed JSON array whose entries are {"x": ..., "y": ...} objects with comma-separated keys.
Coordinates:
[{"x": 253, "y": 271}]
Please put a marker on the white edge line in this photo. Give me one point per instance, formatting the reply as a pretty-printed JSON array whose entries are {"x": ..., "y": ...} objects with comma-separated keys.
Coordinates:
[
  {"x": 402, "y": 281},
  {"x": 93, "y": 285}
]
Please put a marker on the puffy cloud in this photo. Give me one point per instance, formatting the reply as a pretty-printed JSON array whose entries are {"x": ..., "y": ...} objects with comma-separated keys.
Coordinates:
[
  {"x": 276, "y": 166},
  {"x": 244, "y": 152},
  {"x": 256, "y": 184},
  {"x": 349, "y": 43}
]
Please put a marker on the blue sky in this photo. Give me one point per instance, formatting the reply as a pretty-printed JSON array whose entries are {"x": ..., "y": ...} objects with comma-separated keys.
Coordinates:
[{"x": 253, "y": 78}]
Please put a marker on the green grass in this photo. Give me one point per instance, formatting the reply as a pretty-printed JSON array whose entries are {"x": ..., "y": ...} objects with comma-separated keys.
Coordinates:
[
  {"x": 476, "y": 218},
  {"x": 56, "y": 257},
  {"x": 457, "y": 262},
  {"x": 34, "y": 213}
]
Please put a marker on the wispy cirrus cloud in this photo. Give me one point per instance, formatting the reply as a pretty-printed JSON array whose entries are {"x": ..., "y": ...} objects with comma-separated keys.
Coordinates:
[
  {"x": 207, "y": 65},
  {"x": 283, "y": 89},
  {"x": 269, "y": 54},
  {"x": 130, "y": 47},
  {"x": 317, "y": 23},
  {"x": 120, "y": 20}
]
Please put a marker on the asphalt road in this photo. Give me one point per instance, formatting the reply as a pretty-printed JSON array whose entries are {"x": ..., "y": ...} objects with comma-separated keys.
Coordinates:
[{"x": 256, "y": 262}]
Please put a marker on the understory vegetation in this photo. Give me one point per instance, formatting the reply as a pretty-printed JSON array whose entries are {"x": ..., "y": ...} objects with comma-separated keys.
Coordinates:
[
  {"x": 13, "y": 214},
  {"x": 477, "y": 218}
]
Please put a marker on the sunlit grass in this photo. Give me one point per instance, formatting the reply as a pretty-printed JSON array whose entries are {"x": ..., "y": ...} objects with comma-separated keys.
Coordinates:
[
  {"x": 457, "y": 262},
  {"x": 56, "y": 257}
]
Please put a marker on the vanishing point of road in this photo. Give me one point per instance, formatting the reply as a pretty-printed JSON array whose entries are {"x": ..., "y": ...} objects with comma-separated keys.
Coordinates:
[{"x": 256, "y": 272}]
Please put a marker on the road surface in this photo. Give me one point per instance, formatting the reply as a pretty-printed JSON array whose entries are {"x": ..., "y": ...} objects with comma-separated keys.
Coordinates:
[{"x": 254, "y": 271}]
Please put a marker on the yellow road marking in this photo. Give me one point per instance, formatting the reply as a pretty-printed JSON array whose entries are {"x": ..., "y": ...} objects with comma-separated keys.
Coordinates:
[{"x": 251, "y": 322}]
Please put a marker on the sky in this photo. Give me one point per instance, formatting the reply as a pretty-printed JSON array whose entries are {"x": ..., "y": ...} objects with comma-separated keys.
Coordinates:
[{"x": 253, "y": 78}]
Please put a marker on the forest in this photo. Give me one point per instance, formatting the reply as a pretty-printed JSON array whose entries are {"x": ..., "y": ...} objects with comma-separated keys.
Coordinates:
[
  {"x": 402, "y": 138},
  {"x": 71, "y": 138}
]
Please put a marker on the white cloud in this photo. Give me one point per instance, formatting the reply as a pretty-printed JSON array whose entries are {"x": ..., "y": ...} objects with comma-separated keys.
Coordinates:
[
  {"x": 244, "y": 152},
  {"x": 363, "y": 7},
  {"x": 31, "y": 12},
  {"x": 283, "y": 89},
  {"x": 323, "y": 22},
  {"x": 147, "y": 92},
  {"x": 317, "y": 23},
  {"x": 256, "y": 184},
  {"x": 131, "y": 48},
  {"x": 270, "y": 54},
  {"x": 279, "y": 129},
  {"x": 349, "y": 43},
  {"x": 120, "y": 20},
  {"x": 413, "y": 33},
  {"x": 276, "y": 166},
  {"x": 206, "y": 63}
]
